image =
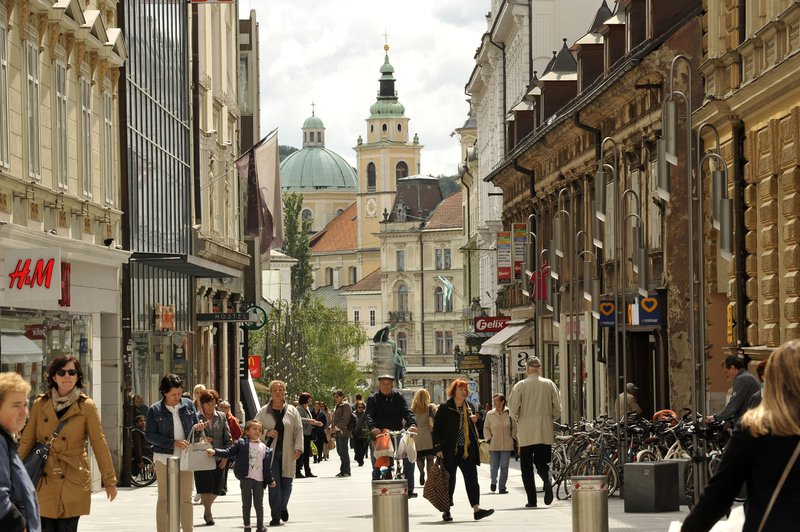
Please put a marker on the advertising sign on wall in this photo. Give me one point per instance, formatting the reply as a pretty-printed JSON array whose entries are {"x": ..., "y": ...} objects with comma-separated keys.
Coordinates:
[
  {"x": 504, "y": 257},
  {"x": 520, "y": 238},
  {"x": 31, "y": 275},
  {"x": 254, "y": 365},
  {"x": 490, "y": 324}
]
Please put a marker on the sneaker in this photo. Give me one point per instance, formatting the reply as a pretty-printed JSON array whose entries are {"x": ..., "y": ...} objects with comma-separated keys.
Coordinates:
[
  {"x": 412, "y": 495},
  {"x": 285, "y": 515},
  {"x": 446, "y": 517},
  {"x": 480, "y": 514},
  {"x": 493, "y": 487}
]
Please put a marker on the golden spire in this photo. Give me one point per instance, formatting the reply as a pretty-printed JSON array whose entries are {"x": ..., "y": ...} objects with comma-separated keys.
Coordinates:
[
  {"x": 313, "y": 107},
  {"x": 386, "y": 41}
]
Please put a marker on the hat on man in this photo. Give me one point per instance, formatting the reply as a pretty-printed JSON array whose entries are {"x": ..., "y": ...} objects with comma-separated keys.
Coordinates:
[
  {"x": 534, "y": 362},
  {"x": 631, "y": 387},
  {"x": 386, "y": 376}
]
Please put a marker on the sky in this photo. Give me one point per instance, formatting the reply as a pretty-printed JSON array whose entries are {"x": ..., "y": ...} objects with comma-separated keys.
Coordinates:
[{"x": 330, "y": 52}]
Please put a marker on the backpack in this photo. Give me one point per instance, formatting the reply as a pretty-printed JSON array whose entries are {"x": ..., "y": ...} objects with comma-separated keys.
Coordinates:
[{"x": 351, "y": 424}]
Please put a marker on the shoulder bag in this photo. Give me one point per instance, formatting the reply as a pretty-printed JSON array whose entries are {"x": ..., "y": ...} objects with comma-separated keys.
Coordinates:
[
  {"x": 194, "y": 457},
  {"x": 34, "y": 462},
  {"x": 436, "y": 488}
]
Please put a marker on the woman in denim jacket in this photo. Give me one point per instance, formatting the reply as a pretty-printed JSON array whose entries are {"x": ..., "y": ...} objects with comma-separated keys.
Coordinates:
[{"x": 169, "y": 423}]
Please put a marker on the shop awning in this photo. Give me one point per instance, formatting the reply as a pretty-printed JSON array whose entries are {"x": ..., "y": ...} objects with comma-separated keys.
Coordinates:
[
  {"x": 187, "y": 264},
  {"x": 497, "y": 343},
  {"x": 16, "y": 348}
]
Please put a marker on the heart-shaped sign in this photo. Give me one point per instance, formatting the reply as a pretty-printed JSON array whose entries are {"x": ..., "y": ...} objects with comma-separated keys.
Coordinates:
[
  {"x": 649, "y": 304},
  {"x": 606, "y": 309}
]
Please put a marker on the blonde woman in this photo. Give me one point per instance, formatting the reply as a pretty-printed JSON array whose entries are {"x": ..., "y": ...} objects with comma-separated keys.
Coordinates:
[
  {"x": 424, "y": 411},
  {"x": 759, "y": 454}
]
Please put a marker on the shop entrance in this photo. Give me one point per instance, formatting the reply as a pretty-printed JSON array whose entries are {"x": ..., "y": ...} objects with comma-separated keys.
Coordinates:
[{"x": 647, "y": 369}]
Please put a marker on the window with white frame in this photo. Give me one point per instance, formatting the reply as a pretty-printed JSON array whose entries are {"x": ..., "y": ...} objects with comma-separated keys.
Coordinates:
[
  {"x": 86, "y": 135},
  {"x": 402, "y": 342},
  {"x": 372, "y": 318},
  {"x": 448, "y": 342},
  {"x": 438, "y": 299},
  {"x": 401, "y": 260},
  {"x": 439, "y": 345},
  {"x": 442, "y": 259},
  {"x": 32, "y": 108},
  {"x": 108, "y": 148},
  {"x": 4, "y": 156},
  {"x": 60, "y": 94},
  {"x": 356, "y": 316}
]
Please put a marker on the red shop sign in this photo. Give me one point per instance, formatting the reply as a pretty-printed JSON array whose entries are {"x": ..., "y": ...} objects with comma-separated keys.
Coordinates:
[
  {"x": 32, "y": 275},
  {"x": 490, "y": 324},
  {"x": 254, "y": 365}
]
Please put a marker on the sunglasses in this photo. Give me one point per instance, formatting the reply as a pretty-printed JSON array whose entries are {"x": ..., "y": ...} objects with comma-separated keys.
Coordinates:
[{"x": 63, "y": 372}]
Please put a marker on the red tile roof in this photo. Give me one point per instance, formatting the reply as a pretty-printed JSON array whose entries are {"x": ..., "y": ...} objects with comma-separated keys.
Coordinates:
[
  {"x": 369, "y": 283},
  {"x": 341, "y": 233},
  {"x": 448, "y": 213}
]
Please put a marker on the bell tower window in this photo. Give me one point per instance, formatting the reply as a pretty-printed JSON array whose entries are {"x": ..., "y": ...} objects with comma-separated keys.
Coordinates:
[
  {"x": 371, "y": 178},
  {"x": 401, "y": 170}
]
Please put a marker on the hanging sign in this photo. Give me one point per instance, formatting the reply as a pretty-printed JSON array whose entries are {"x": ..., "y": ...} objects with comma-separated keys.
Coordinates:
[
  {"x": 254, "y": 365},
  {"x": 490, "y": 324},
  {"x": 473, "y": 363},
  {"x": 650, "y": 310},
  {"x": 520, "y": 239},
  {"x": 607, "y": 309},
  {"x": 31, "y": 275},
  {"x": 504, "y": 257}
]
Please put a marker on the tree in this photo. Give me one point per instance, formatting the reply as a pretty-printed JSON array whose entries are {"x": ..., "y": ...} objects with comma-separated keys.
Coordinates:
[
  {"x": 310, "y": 348},
  {"x": 295, "y": 244},
  {"x": 285, "y": 151}
]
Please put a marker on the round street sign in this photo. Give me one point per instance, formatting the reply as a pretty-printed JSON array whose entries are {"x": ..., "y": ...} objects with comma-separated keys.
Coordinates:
[{"x": 262, "y": 318}]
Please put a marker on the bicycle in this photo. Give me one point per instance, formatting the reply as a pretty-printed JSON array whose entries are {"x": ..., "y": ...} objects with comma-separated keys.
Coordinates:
[
  {"x": 144, "y": 475},
  {"x": 395, "y": 468}
]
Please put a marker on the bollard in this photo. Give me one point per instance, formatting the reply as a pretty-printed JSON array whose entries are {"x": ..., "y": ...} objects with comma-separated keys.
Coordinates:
[
  {"x": 589, "y": 504},
  {"x": 173, "y": 494},
  {"x": 390, "y": 505}
]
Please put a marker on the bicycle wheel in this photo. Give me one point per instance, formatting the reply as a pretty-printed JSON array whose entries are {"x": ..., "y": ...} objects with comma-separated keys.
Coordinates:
[
  {"x": 563, "y": 484},
  {"x": 599, "y": 465},
  {"x": 646, "y": 455},
  {"x": 558, "y": 465},
  {"x": 145, "y": 475}
]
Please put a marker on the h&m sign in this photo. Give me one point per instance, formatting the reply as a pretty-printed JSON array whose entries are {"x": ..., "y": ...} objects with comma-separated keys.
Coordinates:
[{"x": 35, "y": 275}]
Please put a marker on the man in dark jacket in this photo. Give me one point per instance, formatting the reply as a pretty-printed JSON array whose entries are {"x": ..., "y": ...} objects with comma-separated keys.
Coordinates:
[
  {"x": 745, "y": 386},
  {"x": 341, "y": 431},
  {"x": 388, "y": 409}
]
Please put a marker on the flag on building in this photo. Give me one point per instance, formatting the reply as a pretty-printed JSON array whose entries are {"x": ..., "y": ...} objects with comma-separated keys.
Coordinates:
[
  {"x": 448, "y": 289},
  {"x": 260, "y": 167}
]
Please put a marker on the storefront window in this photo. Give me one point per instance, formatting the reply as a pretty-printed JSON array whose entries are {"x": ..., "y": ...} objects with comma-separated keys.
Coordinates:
[
  {"x": 31, "y": 340},
  {"x": 154, "y": 355}
]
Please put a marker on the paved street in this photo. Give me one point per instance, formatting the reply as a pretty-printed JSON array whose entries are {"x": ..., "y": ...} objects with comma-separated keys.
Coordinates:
[{"x": 329, "y": 503}]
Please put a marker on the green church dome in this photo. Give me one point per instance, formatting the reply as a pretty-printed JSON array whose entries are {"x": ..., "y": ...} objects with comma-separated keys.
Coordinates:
[
  {"x": 313, "y": 122},
  {"x": 316, "y": 168}
]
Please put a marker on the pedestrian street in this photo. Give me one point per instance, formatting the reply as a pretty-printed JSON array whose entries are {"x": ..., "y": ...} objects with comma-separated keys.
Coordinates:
[{"x": 344, "y": 504}]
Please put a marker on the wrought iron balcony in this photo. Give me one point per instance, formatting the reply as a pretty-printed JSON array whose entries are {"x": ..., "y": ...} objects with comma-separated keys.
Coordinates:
[{"x": 396, "y": 316}]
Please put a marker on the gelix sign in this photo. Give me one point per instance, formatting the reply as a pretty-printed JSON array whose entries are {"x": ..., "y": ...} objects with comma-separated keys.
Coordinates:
[{"x": 490, "y": 324}]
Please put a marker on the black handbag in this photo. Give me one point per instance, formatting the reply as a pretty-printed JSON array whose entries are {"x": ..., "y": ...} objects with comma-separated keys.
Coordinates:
[{"x": 34, "y": 462}]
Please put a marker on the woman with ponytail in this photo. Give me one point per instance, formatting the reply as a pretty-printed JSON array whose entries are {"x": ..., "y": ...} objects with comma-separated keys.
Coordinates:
[{"x": 455, "y": 440}]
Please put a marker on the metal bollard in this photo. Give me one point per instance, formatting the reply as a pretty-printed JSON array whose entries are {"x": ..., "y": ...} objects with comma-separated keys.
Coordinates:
[
  {"x": 589, "y": 504},
  {"x": 390, "y": 506},
  {"x": 173, "y": 494}
]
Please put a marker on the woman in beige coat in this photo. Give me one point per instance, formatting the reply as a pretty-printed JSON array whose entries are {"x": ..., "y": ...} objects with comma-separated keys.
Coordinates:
[
  {"x": 65, "y": 489},
  {"x": 500, "y": 431},
  {"x": 424, "y": 411}
]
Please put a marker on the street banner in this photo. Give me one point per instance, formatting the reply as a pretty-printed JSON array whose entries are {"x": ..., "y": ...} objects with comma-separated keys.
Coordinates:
[
  {"x": 539, "y": 281},
  {"x": 254, "y": 365},
  {"x": 633, "y": 312},
  {"x": 504, "y": 257},
  {"x": 520, "y": 239},
  {"x": 650, "y": 310},
  {"x": 607, "y": 309}
]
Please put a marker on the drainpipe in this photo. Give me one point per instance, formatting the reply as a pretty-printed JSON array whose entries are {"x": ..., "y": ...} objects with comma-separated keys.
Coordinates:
[
  {"x": 530, "y": 39},
  {"x": 421, "y": 295},
  {"x": 469, "y": 233},
  {"x": 598, "y": 136},
  {"x": 502, "y": 48},
  {"x": 738, "y": 221}
]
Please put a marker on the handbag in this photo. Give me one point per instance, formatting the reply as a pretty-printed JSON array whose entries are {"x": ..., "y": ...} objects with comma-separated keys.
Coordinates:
[
  {"x": 406, "y": 448},
  {"x": 331, "y": 444},
  {"x": 195, "y": 458},
  {"x": 437, "y": 486},
  {"x": 34, "y": 462},
  {"x": 483, "y": 450}
]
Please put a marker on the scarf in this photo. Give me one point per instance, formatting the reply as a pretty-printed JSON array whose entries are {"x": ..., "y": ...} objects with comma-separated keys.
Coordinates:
[
  {"x": 465, "y": 412},
  {"x": 60, "y": 403}
]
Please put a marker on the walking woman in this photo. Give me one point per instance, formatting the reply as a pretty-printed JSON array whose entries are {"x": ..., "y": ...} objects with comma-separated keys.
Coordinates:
[
  {"x": 19, "y": 509},
  {"x": 500, "y": 431},
  {"x": 308, "y": 426},
  {"x": 65, "y": 491},
  {"x": 762, "y": 453},
  {"x": 328, "y": 425},
  {"x": 169, "y": 422},
  {"x": 209, "y": 483},
  {"x": 424, "y": 411},
  {"x": 283, "y": 430},
  {"x": 455, "y": 439},
  {"x": 320, "y": 432}
]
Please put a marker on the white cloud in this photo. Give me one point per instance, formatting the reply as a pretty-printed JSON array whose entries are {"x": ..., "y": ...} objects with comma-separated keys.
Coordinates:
[{"x": 330, "y": 52}]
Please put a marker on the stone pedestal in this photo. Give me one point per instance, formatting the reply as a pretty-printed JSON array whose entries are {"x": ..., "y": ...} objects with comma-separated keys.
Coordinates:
[{"x": 382, "y": 363}]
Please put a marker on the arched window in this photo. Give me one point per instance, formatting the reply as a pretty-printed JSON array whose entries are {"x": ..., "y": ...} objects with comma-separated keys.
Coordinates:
[
  {"x": 353, "y": 275},
  {"x": 399, "y": 128},
  {"x": 328, "y": 276},
  {"x": 339, "y": 211},
  {"x": 438, "y": 299},
  {"x": 402, "y": 298},
  {"x": 372, "y": 128},
  {"x": 319, "y": 136},
  {"x": 384, "y": 128},
  {"x": 371, "y": 178},
  {"x": 401, "y": 170},
  {"x": 307, "y": 214},
  {"x": 402, "y": 342}
]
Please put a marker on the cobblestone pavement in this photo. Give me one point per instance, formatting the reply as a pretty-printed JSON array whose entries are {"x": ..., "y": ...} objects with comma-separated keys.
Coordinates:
[{"x": 344, "y": 504}]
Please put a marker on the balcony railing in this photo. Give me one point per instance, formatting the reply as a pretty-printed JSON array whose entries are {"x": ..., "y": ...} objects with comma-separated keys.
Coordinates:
[{"x": 399, "y": 316}]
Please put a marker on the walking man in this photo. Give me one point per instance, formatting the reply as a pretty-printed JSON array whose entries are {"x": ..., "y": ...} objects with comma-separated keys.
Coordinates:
[
  {"x": 388, "y": 409},
  {"x": 342, "y": 430},
  {"x": 534, "y": 405}
]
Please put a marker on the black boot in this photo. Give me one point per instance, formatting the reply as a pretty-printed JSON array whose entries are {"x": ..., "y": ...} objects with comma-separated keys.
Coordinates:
[{"x": 548, "y": 487}]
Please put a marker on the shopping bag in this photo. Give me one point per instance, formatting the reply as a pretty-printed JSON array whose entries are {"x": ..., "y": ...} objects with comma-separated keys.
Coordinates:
[
  {"x": 483, "y": 450},
  {"x": 437, "y": 486},
  {"x": 314, "y": 451},
  {"x": 195, "y": 458},
  {"x": 383, "y": 446},
  {"x": 331, "y": 444},
  {"x": 410, "y": 447}
]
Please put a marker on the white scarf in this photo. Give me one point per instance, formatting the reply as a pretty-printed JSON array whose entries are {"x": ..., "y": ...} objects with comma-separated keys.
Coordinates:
[{"x": 60, "y": 403}]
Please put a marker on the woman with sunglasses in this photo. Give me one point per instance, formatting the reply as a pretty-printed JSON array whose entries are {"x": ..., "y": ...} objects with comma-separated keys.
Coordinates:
[{"x": 65, "y": 489}]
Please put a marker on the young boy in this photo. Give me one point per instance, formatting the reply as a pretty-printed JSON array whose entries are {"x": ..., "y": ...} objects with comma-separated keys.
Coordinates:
[{"x": 252, "y": 469}]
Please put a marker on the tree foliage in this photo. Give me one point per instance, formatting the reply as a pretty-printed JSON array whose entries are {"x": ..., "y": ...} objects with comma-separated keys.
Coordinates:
[
  {"x": 296, "y": 245},
  {"x": 316, "y": 354},
  {"x": 285, "y": 151}
]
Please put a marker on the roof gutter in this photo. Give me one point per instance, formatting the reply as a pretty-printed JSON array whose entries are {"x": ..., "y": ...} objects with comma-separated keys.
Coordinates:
[{"x": 598, "y": 135}]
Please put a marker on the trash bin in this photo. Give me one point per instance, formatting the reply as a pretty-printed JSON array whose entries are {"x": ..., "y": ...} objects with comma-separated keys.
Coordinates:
[
  {"x": 390, "y": 505},
  {"x": 651, "y": 487},
  {"x": 589, "y": 504}
]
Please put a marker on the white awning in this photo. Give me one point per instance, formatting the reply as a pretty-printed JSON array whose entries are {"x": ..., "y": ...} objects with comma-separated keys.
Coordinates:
[
  {"x": 16, "y": 348},
  {"x": 512, "y": 331}
]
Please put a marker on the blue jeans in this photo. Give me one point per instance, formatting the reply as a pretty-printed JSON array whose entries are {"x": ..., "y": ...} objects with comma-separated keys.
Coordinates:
[
  {"x": 408, "y": 469},
  {"x": 279, "y": 495},
  {"x": 499, "y": 460},
  {"x": 343, "y": 448}
]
